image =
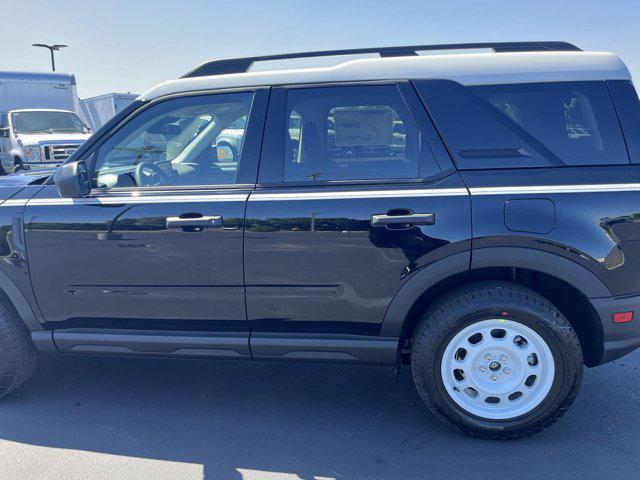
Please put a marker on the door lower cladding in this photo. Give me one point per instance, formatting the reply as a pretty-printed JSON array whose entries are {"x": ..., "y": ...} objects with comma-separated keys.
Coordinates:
[{"x": 153, "y": 343}]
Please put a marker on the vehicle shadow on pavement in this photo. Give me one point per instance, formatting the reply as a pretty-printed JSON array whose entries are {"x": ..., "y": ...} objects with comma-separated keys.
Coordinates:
[{"x": 95, "y": 417}]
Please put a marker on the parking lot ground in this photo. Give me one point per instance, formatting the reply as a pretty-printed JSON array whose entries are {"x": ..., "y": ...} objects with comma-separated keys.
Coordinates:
[{"x": 152, "y": 419}]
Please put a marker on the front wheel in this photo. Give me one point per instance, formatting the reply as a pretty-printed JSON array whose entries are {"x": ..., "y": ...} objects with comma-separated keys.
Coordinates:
[
  {"x": 496, "y": 360},
  {"x": 17, "y": 352}
]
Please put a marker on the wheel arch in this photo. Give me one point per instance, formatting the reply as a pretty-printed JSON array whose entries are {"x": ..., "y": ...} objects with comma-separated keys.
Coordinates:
[
  {"x": 544, "y": 272},
  {"x": 19, "y": 302}
]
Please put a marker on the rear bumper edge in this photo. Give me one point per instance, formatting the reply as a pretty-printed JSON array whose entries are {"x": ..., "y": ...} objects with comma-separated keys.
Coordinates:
[{"x": 619, "y": 339}]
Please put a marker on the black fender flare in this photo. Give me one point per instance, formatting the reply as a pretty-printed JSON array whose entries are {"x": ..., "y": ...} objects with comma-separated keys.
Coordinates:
[
  {"x": 422, "y": 281},
  {"x": 20, "y": 303},
  {"x": 520, "y": 257}
]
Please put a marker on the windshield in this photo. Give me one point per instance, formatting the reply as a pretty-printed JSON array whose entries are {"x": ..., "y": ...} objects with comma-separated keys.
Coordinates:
[{"x": 47, "y": 122}]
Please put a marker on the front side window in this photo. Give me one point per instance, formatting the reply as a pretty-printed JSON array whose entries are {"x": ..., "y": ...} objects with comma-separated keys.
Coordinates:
[
  {"x": 188, "y": 141},
  {"x": 349, "y": 133},
  {"x": 47, "y": 122}
]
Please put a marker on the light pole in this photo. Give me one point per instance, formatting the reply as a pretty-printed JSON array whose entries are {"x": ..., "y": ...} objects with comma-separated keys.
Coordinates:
[{"x": 51, "y": 48}]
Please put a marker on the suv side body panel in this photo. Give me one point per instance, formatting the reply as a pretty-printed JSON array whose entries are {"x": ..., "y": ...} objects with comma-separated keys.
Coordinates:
[
  {"x": 113, "y": 263},
  {"x": 596, "y": 229},
  {"x": 535, "y": 185},
  {"x": 317, "y": 264}
]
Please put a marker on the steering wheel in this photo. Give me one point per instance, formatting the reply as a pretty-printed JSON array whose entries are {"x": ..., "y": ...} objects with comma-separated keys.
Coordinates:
[{"x": 149, "y": 174}]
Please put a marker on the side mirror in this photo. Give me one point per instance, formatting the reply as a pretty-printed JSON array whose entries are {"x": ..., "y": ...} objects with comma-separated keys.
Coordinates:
[
  {"x": 4, "y": 131},
  {"x": 72, "y": 180}
]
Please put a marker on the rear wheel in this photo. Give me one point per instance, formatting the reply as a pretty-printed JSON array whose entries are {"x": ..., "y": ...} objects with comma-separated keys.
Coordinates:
[{"x": 496, "y": 360}]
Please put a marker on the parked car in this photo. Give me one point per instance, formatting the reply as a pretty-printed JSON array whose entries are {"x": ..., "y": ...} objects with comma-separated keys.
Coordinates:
[
  {"x": 39, "y": 126},
  {"x": 485, "y": 233}
]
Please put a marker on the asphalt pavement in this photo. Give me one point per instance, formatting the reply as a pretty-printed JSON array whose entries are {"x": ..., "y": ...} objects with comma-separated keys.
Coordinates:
[{"x": 90, "y": 418}]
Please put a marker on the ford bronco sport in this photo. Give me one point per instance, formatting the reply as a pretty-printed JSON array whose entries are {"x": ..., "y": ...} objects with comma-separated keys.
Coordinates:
[{"x": 476, "y": 215}]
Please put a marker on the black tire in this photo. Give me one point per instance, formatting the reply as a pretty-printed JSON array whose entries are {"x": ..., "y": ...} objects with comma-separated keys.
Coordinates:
[
  {"x": 489, "y": 300},
  {"x": 17, "y": 353}
]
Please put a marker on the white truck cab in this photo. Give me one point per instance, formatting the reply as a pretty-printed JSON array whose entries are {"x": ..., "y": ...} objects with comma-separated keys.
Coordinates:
[
  {"x": 39, "y": 125},
  {"x": 39, "y": 138}
]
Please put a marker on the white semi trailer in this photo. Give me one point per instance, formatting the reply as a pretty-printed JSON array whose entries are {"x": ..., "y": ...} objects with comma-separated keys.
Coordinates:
[{"x": 39, "y": 123}]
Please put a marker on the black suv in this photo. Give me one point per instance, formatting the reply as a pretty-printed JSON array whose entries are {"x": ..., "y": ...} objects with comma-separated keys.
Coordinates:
[{"x": 475, "y": 215}]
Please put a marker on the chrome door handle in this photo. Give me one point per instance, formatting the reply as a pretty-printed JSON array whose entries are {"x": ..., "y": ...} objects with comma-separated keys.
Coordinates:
[
  {"x": 408, "y": 219},
  {"x": 199, "y": 223}
]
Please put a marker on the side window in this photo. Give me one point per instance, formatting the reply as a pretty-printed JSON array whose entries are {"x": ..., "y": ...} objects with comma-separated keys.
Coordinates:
[
  {"x": 575, "y": 121},
  {"x": 188, "y": 141},
  {"x": 3, "y": 121},
  {"x": 349, "y": 133},
  {"x": 526, "y": 125},
  {"x": 627, "y": 103}
]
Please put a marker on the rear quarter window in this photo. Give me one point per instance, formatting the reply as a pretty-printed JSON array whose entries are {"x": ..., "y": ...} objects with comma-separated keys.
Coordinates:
[{"x": 527, "y": 125}]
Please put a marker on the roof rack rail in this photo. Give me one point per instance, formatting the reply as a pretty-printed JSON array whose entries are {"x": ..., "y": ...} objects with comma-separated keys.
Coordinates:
[{"x": 242, "y": 65}]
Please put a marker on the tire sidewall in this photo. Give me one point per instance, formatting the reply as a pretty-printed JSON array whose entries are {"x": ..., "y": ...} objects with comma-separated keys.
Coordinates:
[{"x": 5, "y": 355}]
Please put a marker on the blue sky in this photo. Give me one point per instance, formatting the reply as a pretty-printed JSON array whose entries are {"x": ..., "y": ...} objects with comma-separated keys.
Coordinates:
[{"x": 121, "y": 46}]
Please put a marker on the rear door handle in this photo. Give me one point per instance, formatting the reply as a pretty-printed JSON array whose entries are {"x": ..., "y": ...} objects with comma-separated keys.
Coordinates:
[
  {"x": 196, "y": 223},
  {"x": 408, "y": 219}
]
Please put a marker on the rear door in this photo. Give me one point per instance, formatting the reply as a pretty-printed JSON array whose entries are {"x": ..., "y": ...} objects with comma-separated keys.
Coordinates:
[
  {"x": 355, "y": 195},
  {"x": 158, "y": 243}
]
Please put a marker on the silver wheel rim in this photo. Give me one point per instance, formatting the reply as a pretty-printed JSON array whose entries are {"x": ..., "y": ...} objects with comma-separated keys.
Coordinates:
[{"x": 497, "y": 369}]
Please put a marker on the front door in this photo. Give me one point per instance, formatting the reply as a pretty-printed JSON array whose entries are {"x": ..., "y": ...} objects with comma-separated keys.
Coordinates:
[{"x": 158, "y": 243}]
